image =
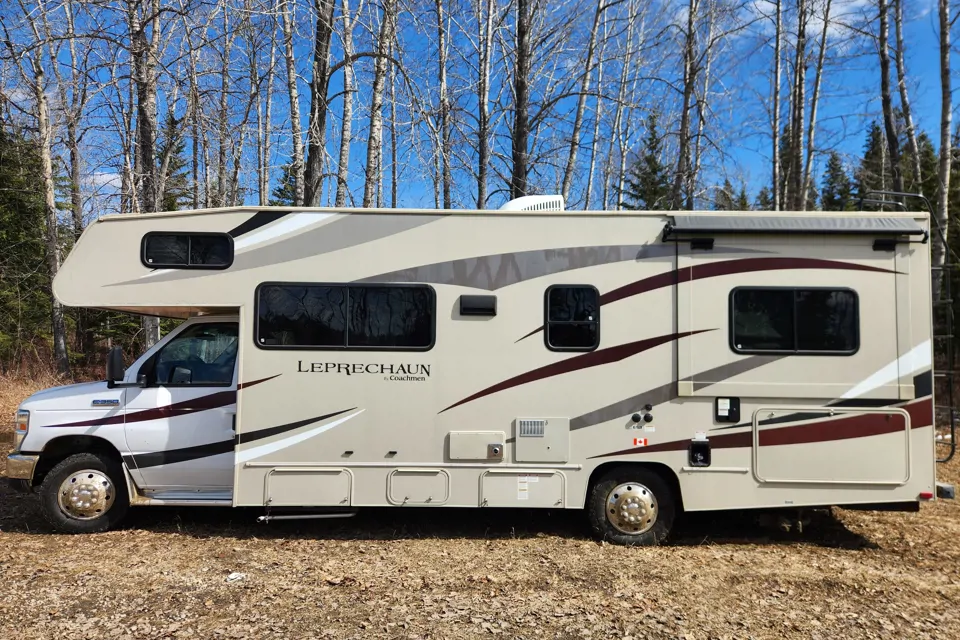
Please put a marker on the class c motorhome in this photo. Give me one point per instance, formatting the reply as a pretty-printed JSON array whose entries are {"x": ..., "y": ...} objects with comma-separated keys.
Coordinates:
[{"x": 631, "y": 364}]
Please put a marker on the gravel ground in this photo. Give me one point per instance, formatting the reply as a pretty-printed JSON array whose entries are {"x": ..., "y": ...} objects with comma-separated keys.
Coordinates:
[{"x": 471, "y": 573}]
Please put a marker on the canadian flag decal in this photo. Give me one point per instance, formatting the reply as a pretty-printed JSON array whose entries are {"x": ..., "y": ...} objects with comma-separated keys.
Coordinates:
[{"x": 639, "y": 442}]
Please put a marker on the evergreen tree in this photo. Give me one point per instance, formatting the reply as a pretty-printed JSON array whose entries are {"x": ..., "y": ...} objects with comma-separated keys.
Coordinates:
[
  {"x": 723, "y": 199},
  {"x": 874, "y": 170},
  {"x": 284, "y": 194},
  {"x": 835, "y": 185},
  {"x": 648, "y": 180},
  {"x": 24, "y": 284},
  {"x": 743, "y": 201},
  {"x": 764, "y": 201},
  {"x": 176, "y": 188},
  {"x": 929, "y": 166}
]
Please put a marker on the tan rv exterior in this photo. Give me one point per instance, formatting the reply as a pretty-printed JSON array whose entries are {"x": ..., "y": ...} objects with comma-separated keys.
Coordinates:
[{"x": 487, "y": 415}]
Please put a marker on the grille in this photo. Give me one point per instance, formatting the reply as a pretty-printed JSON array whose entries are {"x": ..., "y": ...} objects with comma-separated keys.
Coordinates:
[{"x": 532, "y": 428}]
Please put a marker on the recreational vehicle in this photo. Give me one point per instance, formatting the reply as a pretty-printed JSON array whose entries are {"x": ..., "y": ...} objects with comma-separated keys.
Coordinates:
[{"x": 630, "y": 364}]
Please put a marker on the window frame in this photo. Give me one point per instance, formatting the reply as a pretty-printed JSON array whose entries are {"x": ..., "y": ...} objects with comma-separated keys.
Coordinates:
[
  {"x": 187, "y": 234},
  {"x": 346, "y": 331},
  {"x": 547, "y": 322},
  {"x": 731, "y": 312},
  {"x": 149, "y": 366}
]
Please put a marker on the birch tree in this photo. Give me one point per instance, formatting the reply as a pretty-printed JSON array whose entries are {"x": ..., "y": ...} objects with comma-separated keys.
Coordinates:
[
  {"x": 293, "y": 95},
  {"x": 375, "y": 135},
  {"x": 886, "y": 100},
  {"x": 940, "y": 247}
]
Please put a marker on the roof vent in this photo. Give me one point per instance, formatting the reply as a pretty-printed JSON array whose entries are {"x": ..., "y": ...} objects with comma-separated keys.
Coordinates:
[{"x": 534, "y": 203}]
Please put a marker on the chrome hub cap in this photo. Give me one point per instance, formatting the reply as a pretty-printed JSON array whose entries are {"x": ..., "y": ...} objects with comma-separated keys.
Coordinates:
[
  {"x": 86, "y": 495},
  {"x": 632, "y": 508}
]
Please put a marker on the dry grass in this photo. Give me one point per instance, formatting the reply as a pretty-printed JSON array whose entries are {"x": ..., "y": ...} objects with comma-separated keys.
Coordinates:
[{"x": 472, "y": 573}]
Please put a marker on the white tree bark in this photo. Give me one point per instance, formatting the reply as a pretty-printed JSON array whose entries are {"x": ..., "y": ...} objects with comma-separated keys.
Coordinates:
[
  {"x": 940, "y": 239},
  {"x": 375, "y": 136},
  {"x": 346, "y": 130},
  {"x": 296, "y": 130},
  {"x": 814, "y": 101}
]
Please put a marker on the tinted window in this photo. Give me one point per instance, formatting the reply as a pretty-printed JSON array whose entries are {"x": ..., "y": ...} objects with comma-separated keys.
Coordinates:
[
  {"x": 203, "y": 354},
  {"x": 572, "y": 318},
  {"x": 187, "y": 250},
  {"x": 359, "y": 317},
  {"x": 301, "y": 315},
  {"x": 390, "y": 317},
  {"x": 794, "y": 320}
]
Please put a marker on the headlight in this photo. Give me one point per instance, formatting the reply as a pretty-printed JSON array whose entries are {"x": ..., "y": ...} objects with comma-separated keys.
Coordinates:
[{"x": 20, "y": 430}]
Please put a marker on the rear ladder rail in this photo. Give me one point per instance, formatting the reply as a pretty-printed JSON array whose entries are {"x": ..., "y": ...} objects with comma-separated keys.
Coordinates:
[{"x": 944, "y": 366}]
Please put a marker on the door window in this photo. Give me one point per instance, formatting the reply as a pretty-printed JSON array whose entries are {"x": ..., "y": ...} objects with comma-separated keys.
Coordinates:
[{"x": 201, "y": 355}]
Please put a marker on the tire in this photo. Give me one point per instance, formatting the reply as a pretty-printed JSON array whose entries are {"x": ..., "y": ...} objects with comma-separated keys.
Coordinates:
[
  {"x": 98, "y": 500},
  {"x": 631, "y": 505}
]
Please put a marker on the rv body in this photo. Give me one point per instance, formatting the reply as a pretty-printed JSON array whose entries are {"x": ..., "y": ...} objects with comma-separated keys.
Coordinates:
[{"x": 337, "y": 359}]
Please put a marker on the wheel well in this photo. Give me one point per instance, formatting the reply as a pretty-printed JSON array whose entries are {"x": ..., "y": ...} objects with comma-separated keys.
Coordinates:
[
  {"x": 60, "y": 448},
  {"x": 666, "y": 474}
]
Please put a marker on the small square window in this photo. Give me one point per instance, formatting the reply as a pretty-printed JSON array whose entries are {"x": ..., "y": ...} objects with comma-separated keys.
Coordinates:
[{"x": 572, "y": 321}]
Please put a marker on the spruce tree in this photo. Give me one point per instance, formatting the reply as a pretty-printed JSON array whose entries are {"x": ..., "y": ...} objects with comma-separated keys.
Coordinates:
[
  {"x": 764, "y": 201},
  {"x": 176, "y": 187},
  {"x": 743, "y": 201},
  {"x": 723, "y": 199},
  {"x": 874, "y": 170},
  {"x": 284, "y": 194},
  {"x": 835, "y": 185},
  {"x": 647, "y": 180}
]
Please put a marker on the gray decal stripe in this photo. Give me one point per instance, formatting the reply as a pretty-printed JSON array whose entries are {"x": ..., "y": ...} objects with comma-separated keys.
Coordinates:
[
  {"x": 667, "y": 392},
  {"x": 492, "y": 272},
  {"x": 342, "y": 233}
]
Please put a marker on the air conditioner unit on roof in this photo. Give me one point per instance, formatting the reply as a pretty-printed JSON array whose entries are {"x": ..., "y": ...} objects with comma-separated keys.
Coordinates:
[{"x": 534, "y": 203}]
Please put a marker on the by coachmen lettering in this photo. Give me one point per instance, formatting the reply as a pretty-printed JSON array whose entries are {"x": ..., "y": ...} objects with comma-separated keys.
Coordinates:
[{"x": 409, "y": 372}]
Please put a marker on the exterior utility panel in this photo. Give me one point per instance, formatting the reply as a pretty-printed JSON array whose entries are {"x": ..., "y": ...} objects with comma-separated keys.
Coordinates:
[{"x": 354, "y": 358}]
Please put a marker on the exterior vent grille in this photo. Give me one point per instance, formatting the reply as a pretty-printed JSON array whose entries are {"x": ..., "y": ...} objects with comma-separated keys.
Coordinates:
[{"x": 532, "y": 428}]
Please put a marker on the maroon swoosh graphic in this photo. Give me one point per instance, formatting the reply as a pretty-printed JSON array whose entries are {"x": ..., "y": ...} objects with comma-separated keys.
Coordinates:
[
  {"x": 203, "y": 403},
  {"x": 860, "y": 426},
  {"x": 722, "y": 268},
  {"x": 585, "y": 361}
]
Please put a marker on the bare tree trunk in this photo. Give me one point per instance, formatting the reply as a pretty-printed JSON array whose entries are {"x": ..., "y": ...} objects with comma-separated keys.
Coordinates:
[
  {"x": 485, "y": 42},
  {"x": 297, "y": 168},
  {"x": 778, "y": 34},
  {"x": 886, "y": 100},
  {"x": 582, "y": 102},
  {"x": 812, "y": 128},
  {"x": 689, "y": 79},
  {"x": 346, "y": 131},
  {"x": 319, "y": 85},
  {"x": 394, "y": 165},
  {"x": 798, "y": 107},
  {"x": 597, "y": 116},
  {"x": 939, "y": 249},
  {"x": 224, "y": 133},
  {"x": 446, "y": 178},
  {"x": 144, "y": 59},
  {"x": 521, "y": 105},
  {"x": 904, "y": 97},
  {"x": 375, "y": 137},
  {"x": 702, "y": 101},
  {"x": 617, "y": 136}
]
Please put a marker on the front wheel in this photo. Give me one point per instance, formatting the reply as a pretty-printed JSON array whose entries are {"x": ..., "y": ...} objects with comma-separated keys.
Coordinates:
[
  {"x": 84, "y": 493},
  {"x": 631, "y": 505}
]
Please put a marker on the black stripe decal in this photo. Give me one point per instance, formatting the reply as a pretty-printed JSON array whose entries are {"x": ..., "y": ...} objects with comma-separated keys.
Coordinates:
[
  {"x": 186, "y": 454},
  {"x": 173, "y": 456},
  {"x": 922, "y": 384},
  {"x": 272, "y": 431},
  {"x": 259, "y": 219}
]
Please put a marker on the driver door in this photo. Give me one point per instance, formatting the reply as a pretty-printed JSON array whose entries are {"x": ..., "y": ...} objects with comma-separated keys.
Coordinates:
[{"x": 180, "y": 427}]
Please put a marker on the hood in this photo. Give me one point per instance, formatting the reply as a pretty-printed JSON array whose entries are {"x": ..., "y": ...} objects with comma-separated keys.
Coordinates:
[{"x": 73, "y": 397}]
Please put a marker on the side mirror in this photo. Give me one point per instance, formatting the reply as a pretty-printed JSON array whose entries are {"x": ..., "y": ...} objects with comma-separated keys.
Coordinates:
[{"x": 115, "y": 366}]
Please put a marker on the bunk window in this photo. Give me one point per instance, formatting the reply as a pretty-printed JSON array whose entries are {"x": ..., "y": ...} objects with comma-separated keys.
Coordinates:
[
  {"x": 798, "y": 321},
  {"x": 187, "y": 250},
  {"x": 572, "y": 320},
  {"x": 374, "y": 317}
]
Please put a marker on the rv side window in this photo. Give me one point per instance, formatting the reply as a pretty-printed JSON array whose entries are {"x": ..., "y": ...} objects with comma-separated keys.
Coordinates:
[
  {"x": 572, "y": 320},
  {"x": 308, "y": 316},
  {"x": 187, "y": 250},
  {"x": 799, "y": 321}
]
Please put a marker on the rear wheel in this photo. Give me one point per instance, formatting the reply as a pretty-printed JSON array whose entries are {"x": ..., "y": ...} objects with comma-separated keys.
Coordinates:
[
  {"x": 631, "y": 505},
  {"x": 84, "y": 493}
]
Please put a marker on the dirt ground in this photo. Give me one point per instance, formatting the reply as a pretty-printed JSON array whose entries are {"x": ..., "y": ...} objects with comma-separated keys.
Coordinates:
[{"x": 472, "y": 573}]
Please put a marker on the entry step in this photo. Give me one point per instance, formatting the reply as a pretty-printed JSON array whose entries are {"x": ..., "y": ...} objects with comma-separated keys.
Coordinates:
[{"x": 946, "y": 491}]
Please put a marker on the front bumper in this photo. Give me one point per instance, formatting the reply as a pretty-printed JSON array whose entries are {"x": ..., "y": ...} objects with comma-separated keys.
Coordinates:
[{"x": 21, "y": 466}]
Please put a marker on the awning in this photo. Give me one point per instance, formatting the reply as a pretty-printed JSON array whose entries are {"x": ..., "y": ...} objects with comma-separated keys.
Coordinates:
[{"x": 853, "y": 224}]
